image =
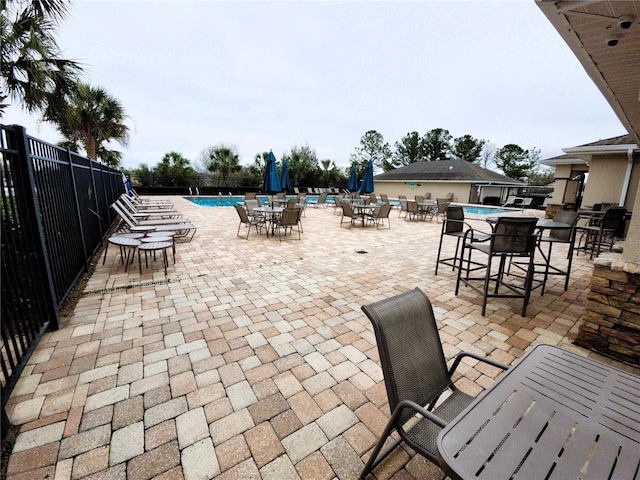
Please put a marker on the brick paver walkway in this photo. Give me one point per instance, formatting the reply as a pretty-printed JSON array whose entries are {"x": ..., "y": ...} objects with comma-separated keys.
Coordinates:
[{"x": 252, "y": 358}]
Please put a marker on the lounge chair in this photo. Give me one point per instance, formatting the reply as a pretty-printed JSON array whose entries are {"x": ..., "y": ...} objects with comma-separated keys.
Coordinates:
[
  {"x": 183, "y": 230},
  {"x": 144, "y": 218},
  {"x": 420, "y": 390},
  {"x": 148, "y": 213}
]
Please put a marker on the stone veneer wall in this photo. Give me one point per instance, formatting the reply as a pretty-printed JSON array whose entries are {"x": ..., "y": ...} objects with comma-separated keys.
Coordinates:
[{"x": 610, "y": 321}]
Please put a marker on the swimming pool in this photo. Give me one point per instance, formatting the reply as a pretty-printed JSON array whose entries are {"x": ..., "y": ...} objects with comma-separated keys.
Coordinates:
[
  {"x": 228, "y": 201},
  {"x": 483, "y": 210}
]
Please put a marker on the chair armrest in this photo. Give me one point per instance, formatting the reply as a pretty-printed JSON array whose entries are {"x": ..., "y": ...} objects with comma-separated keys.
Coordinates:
[
  {"x": 419, "y": 409},
  {"x": 480, "y": 358}
]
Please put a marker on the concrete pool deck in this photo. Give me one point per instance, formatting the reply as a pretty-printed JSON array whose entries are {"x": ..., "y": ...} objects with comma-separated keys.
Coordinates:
[{"x": 252, "y": 358}]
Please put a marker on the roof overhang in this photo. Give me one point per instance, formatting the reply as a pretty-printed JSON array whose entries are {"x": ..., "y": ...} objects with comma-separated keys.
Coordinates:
[
  {"x": 470, "y": 182},
  {"x": 591, "y": 28},
  {"x": 552, "y": 162}
]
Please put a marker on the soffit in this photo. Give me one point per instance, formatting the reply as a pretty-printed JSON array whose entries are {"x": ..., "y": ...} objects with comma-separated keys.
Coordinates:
[{"x": 586, "y": 26}]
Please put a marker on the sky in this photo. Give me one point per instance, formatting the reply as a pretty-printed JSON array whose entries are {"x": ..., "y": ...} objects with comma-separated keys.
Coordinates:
[{"x": 273, "y": 75}]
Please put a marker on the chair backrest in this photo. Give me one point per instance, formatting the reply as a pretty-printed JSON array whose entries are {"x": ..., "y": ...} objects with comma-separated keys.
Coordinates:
[
  {"x": 384, "y": 210},
  {"x": 280, "y": 195},
  {"x": 449, "y": 196},
  {"x": 514, "y": 235},
  {"x": 419, "y": 198},
  {"x": 337, "y": 200},
  {"x": 442, "y": 204},
  {"x": 564, "y": 216},
  {"x": 384, "y": 197},
  {"x": 412, "y": 207},
  {"x": 403, "y": 204},
  {"x": 427, "y": 195},
  {"x": 242, "y": 213},
  {"x": 249, "y": 195},
  {"x": 346, "y": 209},
  {"x": 373, "y": 198},
  {"x": 613, "y": 220},
  {"x": 291, "y": 203},
  {"x": 123, "y": 215},
  {"x": 289, "y": 217},
  {"x": 409, "y": 347},
  {"x": 251, "y": 203},
  {"x": 454, "y": 221},
  {"x": 322, "y": 198}
]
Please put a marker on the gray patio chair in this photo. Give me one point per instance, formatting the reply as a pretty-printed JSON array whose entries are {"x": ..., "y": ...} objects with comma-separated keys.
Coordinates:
[
  {"x": 380, "y": 214},
  {"x": 513, "y": 238},
  {"x": 289, "y": 219},
  {"x": 257, "y": 222},
  {"x": 415, "y": 375},
  {"x": 442, "y": 204},
  {"x": 347, "y": 212},
  {"x": 564, "y": 236},
  {"x": 403, "y": 205},
  {"x": 454, "y": 226}
]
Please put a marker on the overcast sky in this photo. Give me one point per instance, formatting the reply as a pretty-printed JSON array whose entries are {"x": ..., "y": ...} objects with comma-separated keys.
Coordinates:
[{"x": 272, "y": 75}]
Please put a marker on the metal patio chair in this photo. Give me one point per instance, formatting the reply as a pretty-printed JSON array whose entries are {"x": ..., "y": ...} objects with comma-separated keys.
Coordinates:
[
  {"x": 453, "y": 225},
  {"x": 415, "y": 375}
]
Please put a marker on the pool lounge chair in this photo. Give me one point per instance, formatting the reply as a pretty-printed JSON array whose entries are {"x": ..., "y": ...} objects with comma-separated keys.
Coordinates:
[
  {"x": 142, "y": 212},
  {"x": 144, "y": 218},
  {"x": 184, "y": 230}
]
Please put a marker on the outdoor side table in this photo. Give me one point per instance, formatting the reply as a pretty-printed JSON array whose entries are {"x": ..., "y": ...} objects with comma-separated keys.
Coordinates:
[
  {"x": 553, "y": 415},
  {"x": 154, "y": 247},
  {"x": 126, "y": 242},
  {"x": 161, "y": 238}
]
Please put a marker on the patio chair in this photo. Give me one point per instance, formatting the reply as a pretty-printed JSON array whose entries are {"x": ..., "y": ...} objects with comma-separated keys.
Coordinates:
[
  {"x": 185, "y": 230},
  {"x": 427, "y": 195},
  {"x": 373, "y": 198},
  {"x": 384, "y": 198},
  {"x": 380, "y": 214},
  {"x": 337, "y": 205},
  {"x": 512, "y": 238},
  {"x": 449, "y": 196},
  {"x": 442, "y": 204},
  {"x": 413, "y": 211},
  {"x": 289, "y": 219},
  {"x": 257, "y": 222},
  {"x": 249, "y": 195},
  {"x": 146, "y": 206},
  {"x": 603, "y": 231},
  {"x": 250, "y": 205},
  {"x": 562, "y": 236},
  {"x": 347, "y": 212},
  {"x": 149, "y": 213},
  {"x": 454, "y": 225},
  {"x": 403, "y": 205},
  {"x": 322, "y": 200},
  {"x": 415, "y": 375}
]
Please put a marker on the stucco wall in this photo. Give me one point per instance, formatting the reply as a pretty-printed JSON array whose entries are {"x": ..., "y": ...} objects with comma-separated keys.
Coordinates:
[
  {"x": 562, "y": 171},
  {"x": 461, "y": 191},
  {"x": 606, "y": 175}
]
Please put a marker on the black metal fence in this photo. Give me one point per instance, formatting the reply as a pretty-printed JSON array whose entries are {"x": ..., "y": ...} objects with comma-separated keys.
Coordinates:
[{"x": 55, "y": 214}]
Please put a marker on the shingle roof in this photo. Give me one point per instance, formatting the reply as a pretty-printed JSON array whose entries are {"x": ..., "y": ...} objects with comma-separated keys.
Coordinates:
[
  {"x": 446, "y": 170},
  {"x": 621, "y": 140}
]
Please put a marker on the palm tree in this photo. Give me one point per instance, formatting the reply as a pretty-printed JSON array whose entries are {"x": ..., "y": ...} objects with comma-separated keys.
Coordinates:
[
  {"x": 90, "y": 117},
  {"x": 223, "y": 160},
  {"x": 31, "y": 70}
]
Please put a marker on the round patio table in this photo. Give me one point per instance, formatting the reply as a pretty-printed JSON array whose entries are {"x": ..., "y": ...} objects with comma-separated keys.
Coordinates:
[
  {"x": 154, "y": 247},
  {"x": 126, "y": 242}
]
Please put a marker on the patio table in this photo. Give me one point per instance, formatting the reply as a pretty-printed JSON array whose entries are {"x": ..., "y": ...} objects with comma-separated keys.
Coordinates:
[
  {"x": 270, "y": 214},
  {"x": 363, "y": 210},
  {"x": 553, "y": 415}
]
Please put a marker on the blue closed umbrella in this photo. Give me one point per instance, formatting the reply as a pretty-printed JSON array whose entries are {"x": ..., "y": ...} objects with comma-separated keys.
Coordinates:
[
  {"x": 271, "y": 181},
  {"x": 285, "y": 181},
  {"x": 353, "y": 180},
  {"x": 367, "y": 180}
]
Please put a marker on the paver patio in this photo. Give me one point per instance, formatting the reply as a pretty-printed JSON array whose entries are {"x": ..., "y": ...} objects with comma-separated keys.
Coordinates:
[{"x": 252, "y": 358}]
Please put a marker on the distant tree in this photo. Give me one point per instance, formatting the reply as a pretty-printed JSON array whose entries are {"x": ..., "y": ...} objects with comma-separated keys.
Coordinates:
[
  {"x": 467, "y": 148},
  {"x": 89, "y": 116},
  {"x": 409, "y": 149},
  {"x": 303, "y": 165},
  {"x": 222, "y": 160},
  {"x": 372, "y": 147},
  {"x": 32, "y": 71},
  {"x": 331, "y": 175},
  {"x": 437, "y": 144},
  {"x": 487, "y": 155},
  {"x": 514, "y": 161},
  {"x": 143, "y": 176},
  {"x": 175, "y": 170}
]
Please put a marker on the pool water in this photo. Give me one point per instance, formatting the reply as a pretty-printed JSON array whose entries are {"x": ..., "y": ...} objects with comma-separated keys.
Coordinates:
[
  {"x": 482, "y": 210},
  {"x": 228, "y": 201}
]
